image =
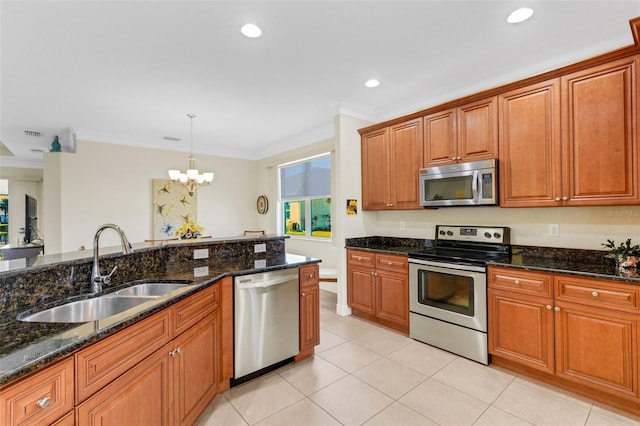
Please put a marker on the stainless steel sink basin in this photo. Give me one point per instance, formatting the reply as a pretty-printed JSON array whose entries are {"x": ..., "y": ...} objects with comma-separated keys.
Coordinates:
[
  {"x": 149, "y": 289},
  {"x": 86, "y": 310}
]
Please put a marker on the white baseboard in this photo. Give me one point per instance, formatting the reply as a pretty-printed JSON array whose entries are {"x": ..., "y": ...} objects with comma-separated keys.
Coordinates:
[{"x": 343, "y": 310}]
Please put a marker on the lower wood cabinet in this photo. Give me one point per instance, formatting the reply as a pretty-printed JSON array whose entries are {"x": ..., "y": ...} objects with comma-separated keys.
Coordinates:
[
  {"x": 309, "y": 310},
  {"x": 378, "y": 287},
  {"x": 583, "y": 336}
]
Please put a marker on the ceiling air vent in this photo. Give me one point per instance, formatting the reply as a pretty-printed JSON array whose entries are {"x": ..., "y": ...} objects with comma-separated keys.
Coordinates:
[{"x": 33, "y": 133}]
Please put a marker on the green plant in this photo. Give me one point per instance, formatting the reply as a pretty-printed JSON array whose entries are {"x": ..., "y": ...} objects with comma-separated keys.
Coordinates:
[{"x": 623, "y": 250}]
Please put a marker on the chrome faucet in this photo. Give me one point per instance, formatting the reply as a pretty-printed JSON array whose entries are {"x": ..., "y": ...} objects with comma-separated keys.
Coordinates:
[{"x": 96, "y": 279}]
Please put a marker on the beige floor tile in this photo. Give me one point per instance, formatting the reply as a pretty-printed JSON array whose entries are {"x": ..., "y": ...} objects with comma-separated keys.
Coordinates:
[
  {"x": 390, "y": 377},
  {"x": 599, "y": 416},
  {"x": 443, "y": 404},
  {"x": 350, "y": 328},
  {"x": 349, "y": 356},
  {"x": 398, "y": 414},
  {"x": 263, "y": 397},
  {"x": 351, "y": 401},
  {"x": 541, "y": 406},
  {"x": 302, "y": 412},
  {"x": 383, "y": 341},
  {"x": 328, "y": 317},
  {"x": 495, "y": 417},
  {"x": 477, "y": 380},
  {"x": 423, "y": 358},
  {"x": 328, "y": 340},
  {"x": 312, "y": 374},
  {"x": 220, "y": 413}
]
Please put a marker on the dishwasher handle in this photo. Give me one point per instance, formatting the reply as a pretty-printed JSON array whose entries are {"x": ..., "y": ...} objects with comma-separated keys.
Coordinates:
[{"x": 263, "y": 284}]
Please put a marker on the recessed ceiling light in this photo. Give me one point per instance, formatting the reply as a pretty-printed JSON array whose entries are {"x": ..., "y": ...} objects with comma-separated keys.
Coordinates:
[
  {"x": 520, "y": 15},
  {"x": 251, "y": 30},
  {"x": 372, "y": 83}
]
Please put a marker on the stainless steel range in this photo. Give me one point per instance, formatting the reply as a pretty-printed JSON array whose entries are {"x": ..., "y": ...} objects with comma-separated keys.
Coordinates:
[{"x": 448, "y": 288}]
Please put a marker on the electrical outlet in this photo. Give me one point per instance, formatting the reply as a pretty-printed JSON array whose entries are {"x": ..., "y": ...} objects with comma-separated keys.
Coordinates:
[
  {"x": 201, "y": 253},
  {"x": 201, "y": 271},
  {"x": 554, "y": 230},
  {"x": 260, "y": 248},
  {"x": 260, "y": 263},
  {"x": 403, "y": 225}
]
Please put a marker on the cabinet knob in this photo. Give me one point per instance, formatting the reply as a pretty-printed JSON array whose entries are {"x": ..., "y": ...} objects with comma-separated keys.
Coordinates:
[
  {"x": 310, "y": 276},
  {"x": 556, "y": 309},
  {"x": 594, "y": 294},
  {"x": 303, "y": 294},
  {"x": 359, "y": 259},
  {"x": 565, "y": 198},
  {"x": 389, "y": 263},
  {"x": 548, "y": 307},
  {"x": 174, "y": 353},
  {"x": 557, "y": 199},
  {"x": 44, "y": 402},
  {"x": 517, "y": 282}
]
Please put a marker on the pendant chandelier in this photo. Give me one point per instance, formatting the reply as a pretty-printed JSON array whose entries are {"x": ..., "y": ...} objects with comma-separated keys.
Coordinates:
[{"x": 192, "y": 179}]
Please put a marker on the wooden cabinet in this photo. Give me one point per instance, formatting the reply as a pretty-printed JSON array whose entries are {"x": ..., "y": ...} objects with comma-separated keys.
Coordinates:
[
  {"x": 572, "y": 141},
  {"x": 465, "y": 133},
  {"x": 391, "y": 160},
  {"x": 309, "y": 310},
  {"x": 378, "y": 288},
  {"x": 530, "y": 146},
  {"x": 584, "y": 334},
  {"x": 41, "y": 398}
]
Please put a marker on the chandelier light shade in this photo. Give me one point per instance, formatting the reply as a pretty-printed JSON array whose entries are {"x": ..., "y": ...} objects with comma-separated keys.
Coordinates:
[{"x": 192, "y": 179}]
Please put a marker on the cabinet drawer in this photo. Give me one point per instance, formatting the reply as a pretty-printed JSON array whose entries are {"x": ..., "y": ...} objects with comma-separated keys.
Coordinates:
[
  {"x": 104, "y": 361},
  {"x": 192, "y": 309},
  {"x": 309, "y": 275},
  {"x": 598, "y": 293},
  {"x": 40, "y": 398},
  {"x": 392, "y": 263},
  {"x": 525, "y": 282},
  {"x": 363, "y": 258}
]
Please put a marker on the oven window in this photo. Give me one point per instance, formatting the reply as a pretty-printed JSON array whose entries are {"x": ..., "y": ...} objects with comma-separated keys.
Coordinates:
[
  {"x": 446, "y": 291},
  {"x": 453, "y": 188}
]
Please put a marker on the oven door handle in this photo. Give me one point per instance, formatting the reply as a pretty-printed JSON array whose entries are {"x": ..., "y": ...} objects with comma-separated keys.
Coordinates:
[{"x": 448, "y": 265}]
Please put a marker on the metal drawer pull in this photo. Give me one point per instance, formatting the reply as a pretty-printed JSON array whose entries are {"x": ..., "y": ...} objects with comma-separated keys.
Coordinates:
[
  {"x": 44, "y": 402},
  {"x": 594, "y": 294},
  {"x": 517, "y": 282},
  {"x": 174, "y": 353},
  {"x": 548, "y": 307}
]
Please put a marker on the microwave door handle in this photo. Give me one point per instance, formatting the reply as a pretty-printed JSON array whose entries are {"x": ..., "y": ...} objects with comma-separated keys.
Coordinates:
[{"x": 475, "y": 184}]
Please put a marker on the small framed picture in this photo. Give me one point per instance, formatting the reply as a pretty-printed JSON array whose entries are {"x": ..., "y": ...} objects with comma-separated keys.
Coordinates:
[{"x": 352, "y": 206}]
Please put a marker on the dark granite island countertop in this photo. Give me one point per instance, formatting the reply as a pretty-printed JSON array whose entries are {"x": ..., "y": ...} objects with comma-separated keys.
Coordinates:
[{"x": 25, "y": 347}]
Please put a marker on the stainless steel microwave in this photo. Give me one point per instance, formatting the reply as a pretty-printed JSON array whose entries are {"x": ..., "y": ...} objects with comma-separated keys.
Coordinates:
[{"x": 463, "y": 184}]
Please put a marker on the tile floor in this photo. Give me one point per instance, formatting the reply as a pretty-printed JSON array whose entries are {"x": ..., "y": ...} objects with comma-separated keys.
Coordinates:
[{"x": 363, "y": 374}]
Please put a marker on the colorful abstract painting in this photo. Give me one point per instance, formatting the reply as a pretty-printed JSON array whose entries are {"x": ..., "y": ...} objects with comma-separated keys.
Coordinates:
[{"x": 172, "y": 207}]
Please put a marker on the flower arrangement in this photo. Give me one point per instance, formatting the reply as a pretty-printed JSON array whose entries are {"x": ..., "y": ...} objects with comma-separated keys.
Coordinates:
[
  {"x": 189, "y": 230},
  {"x": 626, "y": 255}
]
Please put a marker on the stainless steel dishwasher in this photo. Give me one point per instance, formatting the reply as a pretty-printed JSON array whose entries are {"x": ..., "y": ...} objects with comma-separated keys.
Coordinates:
[{"x": 266, "y": 322}]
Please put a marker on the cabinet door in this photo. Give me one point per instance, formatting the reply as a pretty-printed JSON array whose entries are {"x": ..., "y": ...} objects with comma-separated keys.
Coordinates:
[
  {"x": 597, "y": 348},
  {"x": 361, "y": 292},
  {"x": 440, "y": 138},
  {"x": 405, "y": 152},
  {"x": 392, "y": 300},
  {"x": 600, "y": 135},
  {"x": 375, "y": 170},
  {"x": 196, "y": 369},
  {"x": 478, "y": 130},
  {"x": 521, "y": 329},
  {"x": 309, "y": 317},
  {"x": 530, "y": 162},
  {"x": 140, "y": 397}
]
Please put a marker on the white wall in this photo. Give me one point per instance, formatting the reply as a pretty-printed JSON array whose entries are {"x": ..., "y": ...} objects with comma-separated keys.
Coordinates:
[{"x": 104, "y": 183}]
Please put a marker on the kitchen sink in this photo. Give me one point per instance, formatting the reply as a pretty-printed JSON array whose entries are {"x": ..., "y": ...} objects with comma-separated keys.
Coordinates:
[
  {"x": 149, "y": 289},
  {"x": 86, "y": 310}
]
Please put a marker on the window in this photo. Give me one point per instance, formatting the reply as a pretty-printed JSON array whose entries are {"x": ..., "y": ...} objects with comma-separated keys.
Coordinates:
[{"x": 305, "y": 196}]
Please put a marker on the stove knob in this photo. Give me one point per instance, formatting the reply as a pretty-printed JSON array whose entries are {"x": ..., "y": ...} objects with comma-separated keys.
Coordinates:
[
  {"x": 497, "y": 235},
  {"x": 441, "y": 232},
  {"x": 487, "y": 234},
  {"x": 450, "y": 233}
]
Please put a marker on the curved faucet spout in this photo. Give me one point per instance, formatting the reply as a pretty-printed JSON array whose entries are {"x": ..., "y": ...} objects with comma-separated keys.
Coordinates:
[{"x": 96, "y": 279}]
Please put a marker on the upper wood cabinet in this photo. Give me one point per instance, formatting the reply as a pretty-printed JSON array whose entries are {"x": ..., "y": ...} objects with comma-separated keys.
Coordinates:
[
  {"x": 465, "y": 133},
  {"x": 599, "y": 135},
  {"x": 529, "y": 159},
  {"x": 391, "y": 160},
  {"x": 571, "y": 141}
]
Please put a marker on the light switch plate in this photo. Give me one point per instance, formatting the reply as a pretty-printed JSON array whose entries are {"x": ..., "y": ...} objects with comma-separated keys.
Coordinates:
[
  {"x": 201, "y": 271},
  {"x": 201, "y": 253},
  {"x": 260, "y": 263},
  {"x": 260, "y": 248}
]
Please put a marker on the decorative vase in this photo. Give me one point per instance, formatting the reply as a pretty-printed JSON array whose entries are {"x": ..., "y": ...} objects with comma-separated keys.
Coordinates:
[{"x": 627, "y": 262}]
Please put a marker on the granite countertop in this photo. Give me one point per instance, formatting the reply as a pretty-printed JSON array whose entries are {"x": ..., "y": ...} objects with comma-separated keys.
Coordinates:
[
  {"x": 587, "y": 263},
  {"x": 25, "y": 347}
]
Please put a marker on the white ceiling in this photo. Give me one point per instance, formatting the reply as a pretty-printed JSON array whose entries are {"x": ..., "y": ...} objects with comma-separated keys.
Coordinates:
[{"x": 128, "y": 72}]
